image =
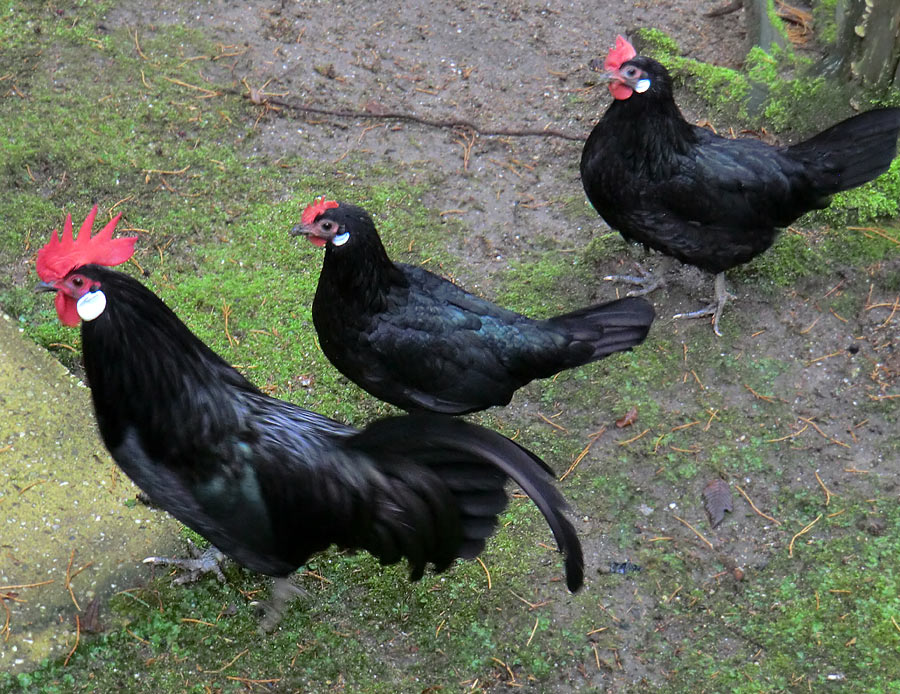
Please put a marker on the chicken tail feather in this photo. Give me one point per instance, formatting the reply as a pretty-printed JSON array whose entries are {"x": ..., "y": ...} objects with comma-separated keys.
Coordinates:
[
  {"x": 611, "y": 327},
  {"x": 851, "y": 152},
  {"x": 472, "y": 463}
]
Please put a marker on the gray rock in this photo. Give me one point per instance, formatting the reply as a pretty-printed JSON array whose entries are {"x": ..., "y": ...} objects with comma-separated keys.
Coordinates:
[{"x": 60, "y": 492}]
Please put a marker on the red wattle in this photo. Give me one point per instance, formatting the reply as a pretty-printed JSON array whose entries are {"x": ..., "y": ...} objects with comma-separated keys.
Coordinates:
[
  {"x": 67, "y": 310},
  {"x": 619, "y": 90}
]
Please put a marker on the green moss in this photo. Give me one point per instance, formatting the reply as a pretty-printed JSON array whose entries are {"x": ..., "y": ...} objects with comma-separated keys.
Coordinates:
[
  {"x": 778, "y": 26},
  {"x": 601, "y": 248},
  {"x": 877, "y": 199},
  {"x": 761, "y": 67},
  {"x": 825, "y": 20},
  {"x": 726, "y": 90},
  {"x": 804, "y": 620},
  {"x": 24, "y": 23},
  {"x": 656, "y": 43},
  {"x": 538, "y": 286},
  {"x": 797, "y": 255},
  {"x": 800, "y": 100}
]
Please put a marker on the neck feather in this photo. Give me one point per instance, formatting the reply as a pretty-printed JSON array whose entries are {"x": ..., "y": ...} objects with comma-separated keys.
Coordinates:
[{"x": 149, "y": 372}]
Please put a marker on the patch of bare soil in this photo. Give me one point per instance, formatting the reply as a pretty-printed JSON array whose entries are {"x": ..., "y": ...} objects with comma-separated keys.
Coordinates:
[{"x": 515, "y": 65}]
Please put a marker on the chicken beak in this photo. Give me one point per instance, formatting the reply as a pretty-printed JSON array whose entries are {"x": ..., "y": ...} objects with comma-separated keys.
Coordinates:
[
  {"x": 597, "y": 65},
  {"x": 612, "y": 76},
  {"x": 45, "y": 287},
  {"x": 310, "y": 231}
]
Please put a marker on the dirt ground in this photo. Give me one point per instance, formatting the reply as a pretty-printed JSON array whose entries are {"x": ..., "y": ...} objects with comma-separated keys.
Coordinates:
[
  {"x": 510, "y": 65},
  {"x": 523, "y": 65}
]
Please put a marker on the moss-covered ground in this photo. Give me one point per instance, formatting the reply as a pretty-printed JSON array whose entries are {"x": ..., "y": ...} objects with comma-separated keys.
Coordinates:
[{"x": 797, "y": 406}]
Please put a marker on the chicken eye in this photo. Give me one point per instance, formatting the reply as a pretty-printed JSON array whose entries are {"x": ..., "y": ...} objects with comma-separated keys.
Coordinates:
[
  {"x": 326, "y": 225},
  {"x": 630, "y": 72},
  {"x": 77, "y": 282}
]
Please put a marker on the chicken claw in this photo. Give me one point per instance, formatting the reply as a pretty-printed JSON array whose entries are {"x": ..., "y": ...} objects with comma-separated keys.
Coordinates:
[{"x": 201, "y": 562}]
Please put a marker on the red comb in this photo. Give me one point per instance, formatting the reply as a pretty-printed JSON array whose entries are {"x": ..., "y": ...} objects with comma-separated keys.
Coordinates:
[
  {"x": 319, "y": 205},
  {"x": 60, "y": 256},
  {"x": 622, "y": 53}
]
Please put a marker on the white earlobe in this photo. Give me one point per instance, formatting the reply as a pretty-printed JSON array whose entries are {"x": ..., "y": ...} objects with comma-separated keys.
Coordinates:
[
  {"x": 341, "y": 239},
  {"x": 91, "y": 305},
  {"x": 642, "y": 86}
]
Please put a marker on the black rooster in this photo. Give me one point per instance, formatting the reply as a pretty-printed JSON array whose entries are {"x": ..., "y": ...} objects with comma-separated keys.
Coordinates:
[
  {"x": 418, "y": 341},
  {"x": 710, "y": 201},
  {"x": 265, "y": 481}
]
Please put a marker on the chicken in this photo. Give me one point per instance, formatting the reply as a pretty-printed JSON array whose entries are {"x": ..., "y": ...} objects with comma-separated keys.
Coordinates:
[
  {"x": 419, "y": 342},
  {"x": 267, "y": 482},
  {"x": 706, "y": 200}
]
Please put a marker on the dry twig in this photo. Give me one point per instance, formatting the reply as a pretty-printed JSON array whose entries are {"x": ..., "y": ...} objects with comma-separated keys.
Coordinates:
[
  {"x": 77, "y": 639},
  {"x": 879, "y": 232},
  {"x": 486, "y": 572},
  {"x": 766, "y": 398},
  {"x": 635, "y": 438},
  {"x": 753, "y": 506},
  {"x": 822, "y": 433},
  {"x": 450, "y": 123},
  {"x": 207, "y": 92},
  {"x": 826, "y": 356},
  {"x": 247, "y": 680},
  {"x": 696, "y": 532},
  {"x": 789, "y": 436},
  {"x": 802, "y": 532},
  {"x": 29, "y": 486},
  {"x": 824, "y": 488},
  {"x": 592, "y": 439},
  {"x": 531, "y": 605},
  {"x": 69, "y": 580},
  {"x": 137, "y": 46},
  {"x": 5, "y": 631},
  {"x": 228, "y": 664},
  {"x": 226, "y": 313},
  {"x": 552, "y": 423},
  {"x": 512, "y": 677}
]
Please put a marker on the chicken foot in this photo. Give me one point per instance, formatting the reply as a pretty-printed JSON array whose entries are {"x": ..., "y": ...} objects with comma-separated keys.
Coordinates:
[
  {"x": 645, "y": 280},
  {"x": 284, "y": 591},
  {"x": 714, "y": 309},
  {"x": 201, "y": 562}
]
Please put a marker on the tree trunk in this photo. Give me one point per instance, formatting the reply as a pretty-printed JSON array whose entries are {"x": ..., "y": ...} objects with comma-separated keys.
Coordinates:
[
  {"x": 763, "y": 27},
  {"x": 868, "y": 41},
  {"x": 867, "y": 44}
]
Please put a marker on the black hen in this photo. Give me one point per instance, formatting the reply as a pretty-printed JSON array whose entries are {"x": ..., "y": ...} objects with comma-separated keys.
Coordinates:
[
  {"x": 265, "y": 481},
  {"x": 418, "y": 341},
  {"x": 710, "y": 201}
]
